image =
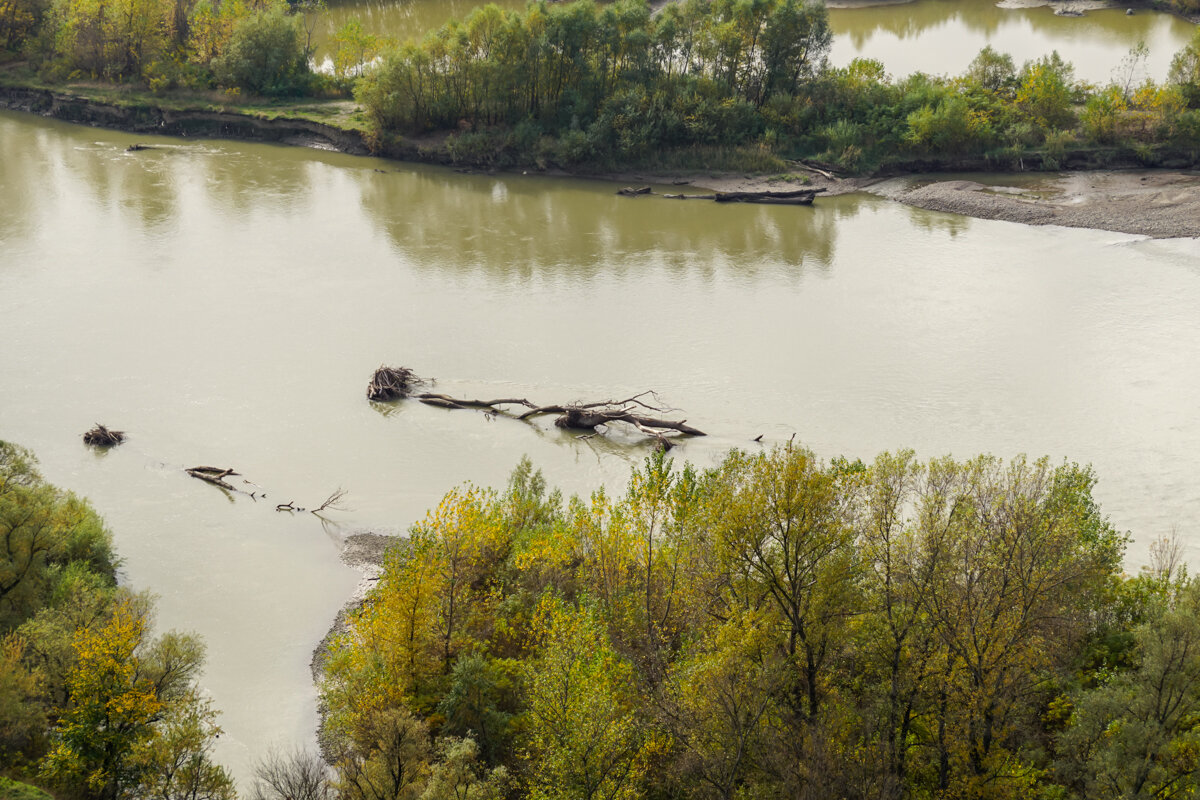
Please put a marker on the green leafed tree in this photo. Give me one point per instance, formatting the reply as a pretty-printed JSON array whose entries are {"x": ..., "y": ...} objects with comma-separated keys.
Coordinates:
[
  {"x": 1138, "y": 734},
  {"x": 585, "y": 741},
  {"x": 266, "y": 55}
]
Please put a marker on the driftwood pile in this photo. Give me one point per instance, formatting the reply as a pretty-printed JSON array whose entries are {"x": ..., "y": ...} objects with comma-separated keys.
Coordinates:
[
  {"x": 392, "y": 383},
  {"x": 642, "y": 411},
  {"x": 101, "y": 436}
]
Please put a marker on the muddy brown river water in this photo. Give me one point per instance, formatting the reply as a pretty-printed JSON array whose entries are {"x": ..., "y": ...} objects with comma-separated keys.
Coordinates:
[{"x": 225, "y": 303}]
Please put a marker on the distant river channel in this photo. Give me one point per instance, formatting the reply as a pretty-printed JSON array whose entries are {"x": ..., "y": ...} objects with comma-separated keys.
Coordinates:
[{"x": 938, "y": 37}]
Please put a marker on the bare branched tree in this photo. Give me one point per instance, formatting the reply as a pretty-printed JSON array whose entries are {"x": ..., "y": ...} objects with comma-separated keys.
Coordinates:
[{"x": 299, "y": 775}]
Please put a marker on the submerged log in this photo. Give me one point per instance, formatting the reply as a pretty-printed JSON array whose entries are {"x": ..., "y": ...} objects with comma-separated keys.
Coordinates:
[
  {"x": 214, "y": 475},
  {"x": 634, "y": 191},
  {"x": 101, "y": 436}
]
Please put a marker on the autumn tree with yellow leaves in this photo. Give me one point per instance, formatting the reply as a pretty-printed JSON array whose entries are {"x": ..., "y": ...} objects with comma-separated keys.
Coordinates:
[
  {"x": 777, "y": 626},
  {"x": 90, "y": 702}
]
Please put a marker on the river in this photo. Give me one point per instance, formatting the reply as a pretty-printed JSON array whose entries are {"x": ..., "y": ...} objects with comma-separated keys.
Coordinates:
[
  {"x": 939, "y": 37},
  {"x": 225, "y": 303}
]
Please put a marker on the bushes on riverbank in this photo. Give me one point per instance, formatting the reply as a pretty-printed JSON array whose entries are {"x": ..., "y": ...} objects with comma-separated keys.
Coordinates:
[
  {"x": 614, "y": 85},
  {"x": 775, "y": 627},
  {"x": 90, "y": 703}
]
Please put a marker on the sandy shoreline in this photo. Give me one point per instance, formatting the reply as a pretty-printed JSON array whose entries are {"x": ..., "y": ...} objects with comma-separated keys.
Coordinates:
[{"x": 1161, "y": 204}]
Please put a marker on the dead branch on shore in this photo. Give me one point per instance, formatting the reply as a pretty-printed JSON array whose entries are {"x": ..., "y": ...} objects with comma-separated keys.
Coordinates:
[
  {"x": 808, "y": 165},
  {"x": 214, "y": 475},
  {"x": 101, "y": 436},
  {"x": 392, "y": 383}
]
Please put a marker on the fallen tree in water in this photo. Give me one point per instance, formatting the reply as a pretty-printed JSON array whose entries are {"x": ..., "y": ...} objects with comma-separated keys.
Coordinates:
[{"x": 643, "y": 411}]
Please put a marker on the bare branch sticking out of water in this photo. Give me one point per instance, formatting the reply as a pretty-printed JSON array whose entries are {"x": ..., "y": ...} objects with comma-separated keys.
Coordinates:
[{"x": 334, "y": 502}]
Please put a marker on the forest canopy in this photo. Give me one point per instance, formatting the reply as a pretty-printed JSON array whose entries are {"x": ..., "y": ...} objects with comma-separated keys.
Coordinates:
[{"x": 778, "y": 626}]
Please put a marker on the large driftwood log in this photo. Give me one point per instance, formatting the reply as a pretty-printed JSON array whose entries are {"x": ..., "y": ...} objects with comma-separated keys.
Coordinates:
[
  {"x": 797, "y": 197},
  {"x": 583, "y": 416},
  {"x": 793, "y": 197}
]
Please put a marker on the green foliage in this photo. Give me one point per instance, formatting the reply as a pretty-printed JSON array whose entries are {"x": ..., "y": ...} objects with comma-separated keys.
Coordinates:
[
  {"x": 1135, "y": 736},
  {"x": 1185, "y": 71},
  {"x": 15, "y": 790},
  {"x": 43, "y": 533},
  {"x": 612, "y": 82},
  {"x": 134, "y": 723},
  {"x": 991, "y": 71},
  {"x": 777, "y": 626},
  {"x": 265, "y": 55},
  {"x": 85, "y": 693},
  {"x": 1044, "y": 94},
  {"x": 583, "y": 735},
  {"x": 951, "y": 128},
  {"x": 1102, "y": 114},
  {"x": 356, "y": 48},
  {"x": 19, "y": 20}
]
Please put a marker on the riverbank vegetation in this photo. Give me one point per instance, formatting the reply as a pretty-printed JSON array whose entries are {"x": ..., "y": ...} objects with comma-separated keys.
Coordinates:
[
  {"x": 92, "y": 705},
  {"x": 777, "y": 626},
  {"x": 583, "y": 85}
]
